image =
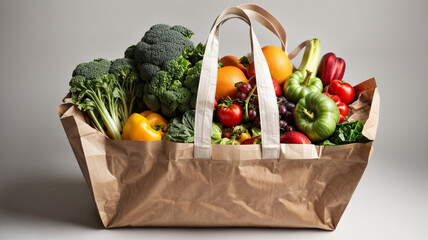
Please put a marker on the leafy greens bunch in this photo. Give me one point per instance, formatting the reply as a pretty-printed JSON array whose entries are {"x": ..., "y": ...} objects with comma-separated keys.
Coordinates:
[{"x": 107, "y": 91}]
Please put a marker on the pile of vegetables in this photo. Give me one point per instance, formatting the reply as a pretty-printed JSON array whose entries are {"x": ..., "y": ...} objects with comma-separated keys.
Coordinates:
[
  {"x": 312, "y": 101},
  {"x": 159, "y": 73},
  {"x": 150, "y": 94}
]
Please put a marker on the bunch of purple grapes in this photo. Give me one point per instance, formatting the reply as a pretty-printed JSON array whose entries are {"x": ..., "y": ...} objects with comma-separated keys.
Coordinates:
[
  {"x": 286, "y": 118},
  {"x": 285, "y": 109}
]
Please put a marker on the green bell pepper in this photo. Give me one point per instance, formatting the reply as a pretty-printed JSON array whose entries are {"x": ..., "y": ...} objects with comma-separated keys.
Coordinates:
[
  {"x": 299, "y": 85},
  {"x": 316, "y": 115}
]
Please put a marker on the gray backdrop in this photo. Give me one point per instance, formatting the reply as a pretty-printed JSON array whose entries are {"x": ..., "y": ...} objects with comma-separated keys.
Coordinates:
[{"x": 42, "y": 192}]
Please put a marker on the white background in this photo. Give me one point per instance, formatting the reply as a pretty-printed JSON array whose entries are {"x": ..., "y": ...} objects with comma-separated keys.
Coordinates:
[{"x": 42, "y": 191}]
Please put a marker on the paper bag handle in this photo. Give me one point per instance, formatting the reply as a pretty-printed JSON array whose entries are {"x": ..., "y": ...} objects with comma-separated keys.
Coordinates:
[
  {"x": 267, "y": 20},
  {"x": 207, "y": 86}
]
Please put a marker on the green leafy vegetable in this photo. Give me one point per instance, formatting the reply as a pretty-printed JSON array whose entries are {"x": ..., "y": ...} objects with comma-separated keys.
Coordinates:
[
  {"x": 256, "y": 132},
  {"x": 182, "y": 129},
  {"x": 216, "y": 136},
  {"x": 107, "y": 91},
  {"x": 347, "y": 132}
]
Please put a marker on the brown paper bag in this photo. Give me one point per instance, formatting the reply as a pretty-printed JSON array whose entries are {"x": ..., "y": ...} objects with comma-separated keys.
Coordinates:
[{"x": 160, "y": 183}]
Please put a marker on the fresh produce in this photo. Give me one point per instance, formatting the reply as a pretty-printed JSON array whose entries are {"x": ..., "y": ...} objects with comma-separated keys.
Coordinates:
[
  {"x": 192, "y": 81},
  {"x": 342, "y": 89},
  {"x": 218, "y": 138},
  {"x": 254, "y": 140},
  {"x": 303, "y": 81},
  {"x": 346, "y": 133},
  {"x": 294, "y": 137},
  {"x": 276, "y": 86},
  {"x": 279, "y": 64},
  {"x": 331, "y": 68},
  {"x": 138, "y": 128},
  {"x": 343, "y": 108},
  {"x": 229, "y": 113},
  {"x": 156, "y": 121},
  {"x": 311, "y": 57},
  {"x": 316, "y": 115},
  {"x": 107, "y": 92},
  {"x": 164, "y": 57},
  {"x": 230, "y": 60},
  {"x": 227, "y": 77},
  {"x": 161, "y": 73},
  {"x": 244, "y": 136},
  {"x": 181, "y": 129},
  {"x": 300, "y": 84},
  {"x": 247, "y": 95}
]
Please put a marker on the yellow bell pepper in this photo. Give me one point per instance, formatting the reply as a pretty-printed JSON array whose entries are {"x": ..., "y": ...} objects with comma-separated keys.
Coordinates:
[
  {"x": 155, "y": 119},
  {"x": 138, "y": 128},
  {"x": 244, "y": 136}
]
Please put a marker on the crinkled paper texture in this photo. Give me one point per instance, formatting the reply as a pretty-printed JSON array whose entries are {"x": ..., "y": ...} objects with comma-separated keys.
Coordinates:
[{"x": 160, "y": 184}]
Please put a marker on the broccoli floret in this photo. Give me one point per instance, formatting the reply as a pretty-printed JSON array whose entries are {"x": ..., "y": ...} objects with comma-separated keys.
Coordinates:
[
  {"x": 175, "y": 101},
  {"x": 152, "y": 102},
  {"x": 176, "y": 67},
  {"x": 165, "y": 57},
  {"x": 192, "y": 79},
  {"x": 130, "y": 52},
  {"x": 159, "y": 83},
  {"x": 148, "y": 71},
  {"x": 162, "y": 43},
  {"x": 118, "y": 63},
  {"x": 157, "y": 54},
  {"x": 187, "y": 33},
  {"x": 93, "y": 69},
  {"x": 169, "y": 102}
]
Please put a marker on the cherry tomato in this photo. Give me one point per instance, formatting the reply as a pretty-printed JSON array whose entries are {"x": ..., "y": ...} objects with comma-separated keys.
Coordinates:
[
  {"x": 344, "y": 90},
  {"x": 215, "y": 103},
  {"x": 230, "y": 116}
]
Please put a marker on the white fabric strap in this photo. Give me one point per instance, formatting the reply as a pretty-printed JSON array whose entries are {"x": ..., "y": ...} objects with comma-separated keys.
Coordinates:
[{"x": 268, "y": 108}]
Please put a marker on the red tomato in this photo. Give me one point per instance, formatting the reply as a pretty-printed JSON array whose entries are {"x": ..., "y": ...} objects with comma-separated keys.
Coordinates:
[
  {"x": 344, "y": 90},
  {"x": 344, "y": 110},
  {"x": 215, "y": 103},
  {"x": 276, "y": 87},
  {"x": 230, "y": 116}
]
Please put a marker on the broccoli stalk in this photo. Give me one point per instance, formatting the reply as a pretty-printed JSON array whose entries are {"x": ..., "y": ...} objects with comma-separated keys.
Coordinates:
[
  {"x": 97, "y": 96},
  {"x": 107, "y": 94}
]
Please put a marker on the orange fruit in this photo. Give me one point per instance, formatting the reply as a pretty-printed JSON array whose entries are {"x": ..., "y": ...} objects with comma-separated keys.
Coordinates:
[
  {"x": 230, "y": 60},
  {"x": 227, "y": 77},
  {"x": 279, "y": 64}
]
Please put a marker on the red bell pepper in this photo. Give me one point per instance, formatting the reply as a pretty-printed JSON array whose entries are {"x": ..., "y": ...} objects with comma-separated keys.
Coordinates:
[
  {"x": 331, "y": 68},
  {"x": 343, "y": 108},
  {"x": 253, "y": 140}
]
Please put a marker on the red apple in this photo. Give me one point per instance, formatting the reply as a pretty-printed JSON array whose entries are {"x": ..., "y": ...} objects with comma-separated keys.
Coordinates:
[{"x": 294, "y": 137}]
